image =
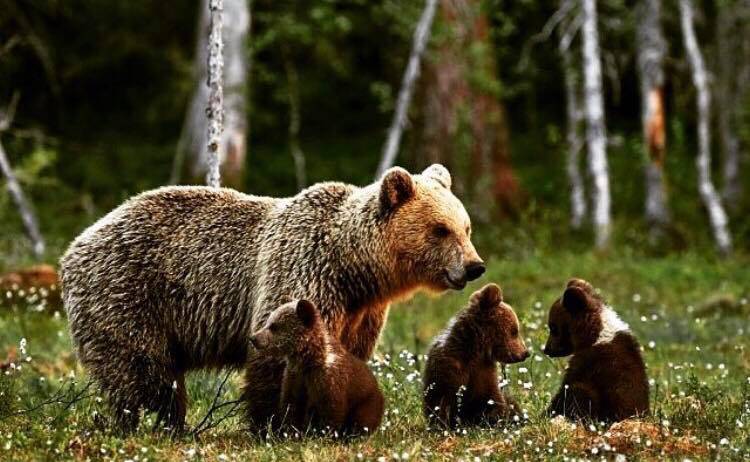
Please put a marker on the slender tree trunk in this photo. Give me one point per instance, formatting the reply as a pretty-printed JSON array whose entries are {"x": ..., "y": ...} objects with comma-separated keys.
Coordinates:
[
  {"x": 24, "y": 207},
  {"x": 453, "y": 102},
  {"x": 491, "y": 139},
  {"x": 215, "y": 108},
  {"x": 574, "y": 114},
  {"x": 708, "y": 193},
  {"x": 292, "y": 79},
  {"x": 651, "y": 50},
  {"x": 733, "y": 76},
  {"x": 194, "y": 136},
  {"x": 596, "y": 133},
  {"x": 421, "y": 37}
]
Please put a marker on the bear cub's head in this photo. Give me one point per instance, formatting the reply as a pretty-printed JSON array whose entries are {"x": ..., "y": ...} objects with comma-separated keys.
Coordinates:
[
  {"x": 580, "y": 319},
  {"x": 428, "y": 229},
  {"x": 499, "y": 324},
  {"x": 288, "y": 327}
]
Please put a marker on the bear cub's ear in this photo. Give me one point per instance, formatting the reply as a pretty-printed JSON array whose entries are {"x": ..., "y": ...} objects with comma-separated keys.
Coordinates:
[
  {"x": 307, "y": 312},
  {"x": 397, "y": 187},
  {"x": 576, "y": 299},
  {"x": 488, "y": 296},
  {"x": 440, "y": 174},
  {"x": 583, "y": 284}
]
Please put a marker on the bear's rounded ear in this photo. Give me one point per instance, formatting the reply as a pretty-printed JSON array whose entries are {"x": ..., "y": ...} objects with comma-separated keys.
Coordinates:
[
  {"x": 581, "y": 283},
  {"x": 440, "y": 174},
  {"x": 575, "y": 299},
  {"x": 307, "y": 312},
  {"x": 488, "y": 296},
  {"x": 396, "y": 187}
]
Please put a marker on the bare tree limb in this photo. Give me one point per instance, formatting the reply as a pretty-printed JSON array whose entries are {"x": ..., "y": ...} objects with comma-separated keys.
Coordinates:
[
  {"x": 66, "y": 394},
  {"x": 9, "y": 45},
  {"x": 208, "y": 421},
  {"x": 24, "y": 206},
  {"x": 421, "y": 37}
]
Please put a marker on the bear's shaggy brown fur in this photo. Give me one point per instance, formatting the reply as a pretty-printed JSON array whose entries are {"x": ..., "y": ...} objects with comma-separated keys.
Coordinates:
[
  {"x": 606, "y": 377},
  {"x": 177, "y": 278},
  {"x": 324, "y": 387},
  {"x": 460, "y": 379}
]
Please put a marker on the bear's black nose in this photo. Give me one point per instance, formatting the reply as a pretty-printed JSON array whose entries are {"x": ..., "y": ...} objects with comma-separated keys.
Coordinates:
[{"x": 474, "y": 270}]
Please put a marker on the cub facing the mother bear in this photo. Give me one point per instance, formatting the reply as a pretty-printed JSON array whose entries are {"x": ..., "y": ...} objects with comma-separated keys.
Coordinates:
[
  {"x": 176, "y": 279},
  {"x": 460, "y": 378}
]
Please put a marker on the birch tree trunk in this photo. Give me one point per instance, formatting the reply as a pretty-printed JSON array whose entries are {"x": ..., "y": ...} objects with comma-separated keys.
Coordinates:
[
  {"x": 24, "y": 207},
  {"x": 596, "y": 133},
  {"x": 421, "y": 37},
  {"x": 574, "y": 114},
  {"x": 194, "y": 137},
  {"x": 215, "y": 108},
  {"x": 716, "y": 213},
  {"x": 651, "y": 50}
]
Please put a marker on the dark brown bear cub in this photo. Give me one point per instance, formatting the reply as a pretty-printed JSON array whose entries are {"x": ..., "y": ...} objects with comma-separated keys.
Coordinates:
[
  {"x": 324, "y": 386},
  {"x": 460, "y": 379},
  {"x": 606, "y": 377}
]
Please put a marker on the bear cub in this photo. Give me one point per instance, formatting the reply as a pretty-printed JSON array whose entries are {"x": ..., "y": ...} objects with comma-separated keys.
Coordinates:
[
  {"x": 460, "y": 379},
  {"x": 606, "y": 377},
  {"x": 324, "y": 386}
]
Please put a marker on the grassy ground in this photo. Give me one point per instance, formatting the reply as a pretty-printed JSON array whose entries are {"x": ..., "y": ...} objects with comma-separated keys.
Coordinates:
[{"x": 689, "y": 311}]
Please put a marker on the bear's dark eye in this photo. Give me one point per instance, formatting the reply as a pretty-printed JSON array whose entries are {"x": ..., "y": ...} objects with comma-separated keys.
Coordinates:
[
  {"x": 273, "y": 327},
  {"x": 441, "y": 231}
]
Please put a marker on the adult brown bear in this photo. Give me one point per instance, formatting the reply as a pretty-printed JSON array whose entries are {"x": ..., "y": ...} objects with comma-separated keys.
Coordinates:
[{"x": 178, "y": 278}]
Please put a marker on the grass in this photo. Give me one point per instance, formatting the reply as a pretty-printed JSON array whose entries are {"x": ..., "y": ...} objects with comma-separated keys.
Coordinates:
[{"x": 689, "y": 311}]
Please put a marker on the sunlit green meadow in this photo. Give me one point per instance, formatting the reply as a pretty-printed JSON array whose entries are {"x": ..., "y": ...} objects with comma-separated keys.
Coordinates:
[{"x": 690, "y": 313}]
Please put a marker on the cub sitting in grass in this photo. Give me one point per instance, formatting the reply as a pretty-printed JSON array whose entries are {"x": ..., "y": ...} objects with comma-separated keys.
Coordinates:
[
  {"x": 460, "y": 379},
  {"x": 606, "y": 377},
  {"x": 324, "y": 386}
]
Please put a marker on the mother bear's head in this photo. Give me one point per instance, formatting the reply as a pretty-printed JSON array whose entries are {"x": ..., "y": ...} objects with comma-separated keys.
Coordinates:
[{"x": 427, "y": 228}]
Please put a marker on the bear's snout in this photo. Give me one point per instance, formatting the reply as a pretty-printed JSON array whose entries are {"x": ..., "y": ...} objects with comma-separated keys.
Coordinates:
[
  {"x": 552, "y": 352},
  {"x": 474, "y": 270},
  {"x": 519, "y": 357}
]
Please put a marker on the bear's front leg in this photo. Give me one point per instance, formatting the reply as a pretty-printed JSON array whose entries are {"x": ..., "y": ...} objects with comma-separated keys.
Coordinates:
[
  {"x": 575, "y": 401},
  {"x": 500, "y": 408},
  {"x": 362, "y": 330},
  {"x": 261, "y": 392}
]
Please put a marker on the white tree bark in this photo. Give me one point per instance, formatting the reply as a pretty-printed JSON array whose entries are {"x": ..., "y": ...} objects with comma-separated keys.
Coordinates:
[
  {"x": 421, "y": 37},
  {"x": 24, "y": 207},
  {"x": 194, "y": 137},
  {"x": 651, "y": 51},
  {"x": 596, "y": 133},
  {"x": 574, "y": 114},
  {"x": 716, "y": 213},
  {"x": 215, "y": 108}
]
